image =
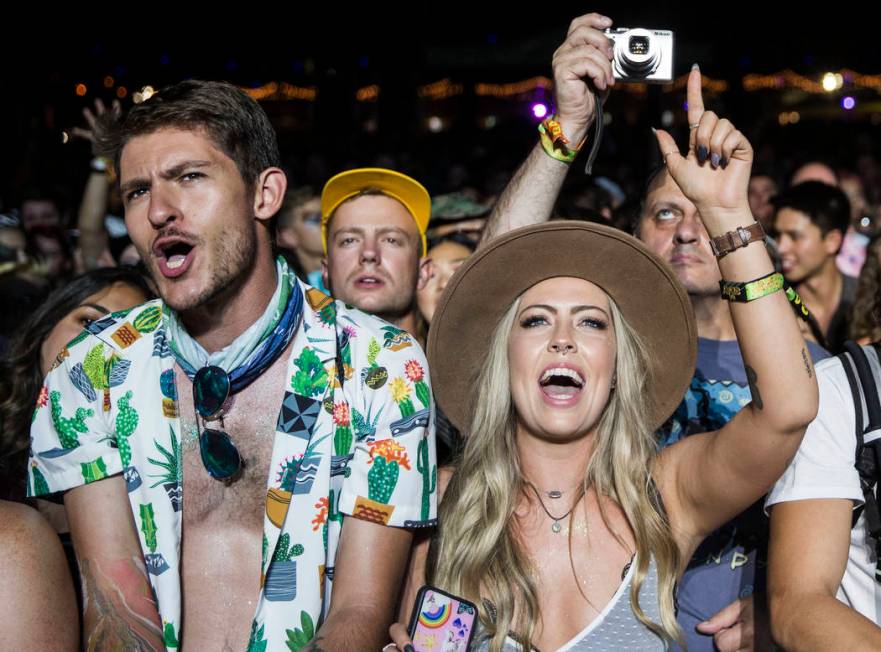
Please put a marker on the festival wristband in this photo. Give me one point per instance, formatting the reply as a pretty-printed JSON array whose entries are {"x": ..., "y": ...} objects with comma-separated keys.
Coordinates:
[
  {"x": 554, "y": 143},
  {"x": 752, "y": 290}
]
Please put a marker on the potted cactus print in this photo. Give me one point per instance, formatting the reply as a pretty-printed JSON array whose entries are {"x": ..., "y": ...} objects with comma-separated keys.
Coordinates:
[
  {"x": 298, "y": 638},
  {"x": 416, "y": 375},
  {"x": 373, "y": 375},
  {"x": 295, "y": 477},
  {"x": 311, "y": 376},
  {"x": 68, "y": 428},
  {"x": 386, "y": 459},
  {"x": 169, "y": 394},
  {"x": 281, "y": 579},
  {"x": 401, "y": 392},
  {"x": 342, "y": 439},
  {"x": 173, "y": 476},
  {"x": 155, "y": 562},
  {"x": 429, "y": 478},
  {"x": 97, "y": 374},
  {"x": 92, "y": 471},
  {"x": 365, "y": 426},
  {"x": 41, "y": 487},
  {"x": 126, "y": 423}
]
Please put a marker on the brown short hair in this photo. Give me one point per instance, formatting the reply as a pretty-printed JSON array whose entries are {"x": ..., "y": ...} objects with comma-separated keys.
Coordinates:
[{"x": 232, "y": 119}]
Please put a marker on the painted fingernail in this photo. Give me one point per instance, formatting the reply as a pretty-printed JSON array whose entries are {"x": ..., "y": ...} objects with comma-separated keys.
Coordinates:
[
  {"x": 409, "y": 648},
  {"x": 702, "y": 153},
  {"x": 694, "y": 66},
  {"x": 714, "y": 159},
  {"x": 654, "y": 131},
  {"x": 724, "y": 162}
]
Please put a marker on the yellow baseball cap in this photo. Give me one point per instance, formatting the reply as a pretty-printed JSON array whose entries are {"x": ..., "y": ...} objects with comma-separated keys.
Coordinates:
[{"x": 406, "y": 190}]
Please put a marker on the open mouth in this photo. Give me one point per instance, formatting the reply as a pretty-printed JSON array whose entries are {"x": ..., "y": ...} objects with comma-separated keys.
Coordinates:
[
  {"x": 561, "y": 383},
  {"x": 174, "y": 256}
]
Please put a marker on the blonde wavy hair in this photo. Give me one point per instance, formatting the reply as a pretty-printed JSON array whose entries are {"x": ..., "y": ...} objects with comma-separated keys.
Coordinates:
[{"x": 476, "y": 554}]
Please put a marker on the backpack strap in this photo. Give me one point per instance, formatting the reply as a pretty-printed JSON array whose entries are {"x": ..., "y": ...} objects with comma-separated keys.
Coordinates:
[{"x": 867, "y": 462}]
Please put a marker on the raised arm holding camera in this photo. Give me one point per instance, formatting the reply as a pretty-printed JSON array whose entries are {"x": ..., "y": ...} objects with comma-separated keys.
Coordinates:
[{"x": 561, "y": 521}]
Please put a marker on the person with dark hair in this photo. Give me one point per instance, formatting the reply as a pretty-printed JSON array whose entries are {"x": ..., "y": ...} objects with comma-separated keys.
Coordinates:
[
  {"x": 864, "y": 325},
  {"x": 762, "y": 189},
  {"x": 43, "y": 220},
  {"x": 814, "y": 170},
  {"x": 60, "y": 318},
  {"x": 37, "y": 601},
  {"x": 810, "y": 221},
  {"x": 229, "y": 453}
]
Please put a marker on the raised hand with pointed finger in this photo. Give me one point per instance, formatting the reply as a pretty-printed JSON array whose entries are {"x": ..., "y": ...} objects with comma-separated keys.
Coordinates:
[{"x": 714, "y": 173}]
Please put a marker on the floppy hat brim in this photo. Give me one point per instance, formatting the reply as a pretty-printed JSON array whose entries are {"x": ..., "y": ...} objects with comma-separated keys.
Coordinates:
[{"x": 645, "y": 289}]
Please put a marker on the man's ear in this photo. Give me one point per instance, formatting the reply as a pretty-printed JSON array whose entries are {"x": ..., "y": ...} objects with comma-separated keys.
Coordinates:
[
  {"x": 269, "y": 191},
  {"x": 325, "y": 275},
  {"x": 832, "y": 242},
  {"x": 426, "y": 271}
]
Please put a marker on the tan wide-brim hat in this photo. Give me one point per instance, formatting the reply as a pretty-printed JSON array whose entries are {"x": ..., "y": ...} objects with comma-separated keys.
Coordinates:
[{"x": 645, "y": 289}]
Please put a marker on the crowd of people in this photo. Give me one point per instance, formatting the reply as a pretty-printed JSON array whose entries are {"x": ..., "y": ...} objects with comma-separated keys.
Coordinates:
[{"x": 638, "y": 423}]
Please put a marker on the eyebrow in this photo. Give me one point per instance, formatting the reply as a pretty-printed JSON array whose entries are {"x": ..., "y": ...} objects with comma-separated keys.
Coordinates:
[
  {"x": 380, "y": 231},
  {"x": 95, "y": 306},
  {"x": 170, "y": 173},
  {"x": 555, "y": 311}
]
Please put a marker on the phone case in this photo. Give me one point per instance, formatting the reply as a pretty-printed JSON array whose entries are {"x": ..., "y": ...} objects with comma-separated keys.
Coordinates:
[{"x": 441, "y": 622}]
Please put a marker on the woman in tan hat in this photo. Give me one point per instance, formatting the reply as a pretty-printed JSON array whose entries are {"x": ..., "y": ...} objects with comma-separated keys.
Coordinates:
[{"x": 558, "y": 350}]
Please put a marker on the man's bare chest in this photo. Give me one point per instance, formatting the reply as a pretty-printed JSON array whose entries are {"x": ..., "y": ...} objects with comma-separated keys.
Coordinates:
[{"x": 250, "y": 421}]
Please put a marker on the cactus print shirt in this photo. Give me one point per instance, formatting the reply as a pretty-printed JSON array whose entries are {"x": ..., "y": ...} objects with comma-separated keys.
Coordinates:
[{"x": 355, "y": 437}]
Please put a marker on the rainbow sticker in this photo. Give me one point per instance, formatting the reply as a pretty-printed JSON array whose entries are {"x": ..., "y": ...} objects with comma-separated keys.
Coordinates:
[{"x": 433, "y": 619}]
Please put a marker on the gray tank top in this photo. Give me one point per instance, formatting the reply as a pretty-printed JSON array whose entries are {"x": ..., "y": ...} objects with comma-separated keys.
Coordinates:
[{"x": 615, "y": 628}]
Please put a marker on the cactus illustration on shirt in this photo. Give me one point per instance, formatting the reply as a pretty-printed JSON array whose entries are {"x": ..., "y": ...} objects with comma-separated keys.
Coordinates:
[
  {"x": 148, "y": 526},
  {"x": 126, "y": 422},
  {"x": 429, "y": 477},
  {"x": 68, "y": 428}
]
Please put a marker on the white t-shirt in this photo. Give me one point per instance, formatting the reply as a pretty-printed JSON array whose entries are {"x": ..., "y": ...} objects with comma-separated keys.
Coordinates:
[{"x": 823, "y": 467}]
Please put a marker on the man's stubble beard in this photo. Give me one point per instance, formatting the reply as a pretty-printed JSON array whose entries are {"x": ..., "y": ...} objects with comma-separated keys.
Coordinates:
[{"x": 229, "y": 257}]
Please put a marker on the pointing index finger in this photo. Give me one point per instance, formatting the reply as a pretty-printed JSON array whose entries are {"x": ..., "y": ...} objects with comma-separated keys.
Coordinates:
[{"x": 695, "y": 102}]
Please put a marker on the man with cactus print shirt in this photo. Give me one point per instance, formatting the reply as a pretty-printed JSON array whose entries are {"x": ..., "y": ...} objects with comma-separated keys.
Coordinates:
[{"x": 303, "y": 543}]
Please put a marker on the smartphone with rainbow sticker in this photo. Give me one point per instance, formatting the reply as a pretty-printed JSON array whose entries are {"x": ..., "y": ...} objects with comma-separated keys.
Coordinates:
[{"x": 441, "y": 622}]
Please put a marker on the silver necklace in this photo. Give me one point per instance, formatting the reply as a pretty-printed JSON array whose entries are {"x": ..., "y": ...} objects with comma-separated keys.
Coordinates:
[{"x": 556, "y": 527}]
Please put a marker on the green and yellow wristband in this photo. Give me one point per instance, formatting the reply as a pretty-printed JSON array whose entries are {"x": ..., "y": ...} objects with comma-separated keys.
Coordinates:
[{"x": 752, "y": 290}]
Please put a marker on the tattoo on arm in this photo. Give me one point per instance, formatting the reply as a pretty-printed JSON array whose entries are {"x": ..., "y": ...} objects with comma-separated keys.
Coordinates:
[
  {"x": 807, "y": 361},
  {"x": 120, "y": 613},
  {"x": 753, "y": 379}
]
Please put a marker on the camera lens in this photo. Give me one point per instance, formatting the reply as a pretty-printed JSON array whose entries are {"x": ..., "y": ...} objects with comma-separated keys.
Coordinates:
[
  {"x": 636, "y": 55},
  {"x": 639, "y": 45}
]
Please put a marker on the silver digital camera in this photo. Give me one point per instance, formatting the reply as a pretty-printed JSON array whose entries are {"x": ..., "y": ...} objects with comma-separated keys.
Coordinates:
[{"x": 642, "y": 55}]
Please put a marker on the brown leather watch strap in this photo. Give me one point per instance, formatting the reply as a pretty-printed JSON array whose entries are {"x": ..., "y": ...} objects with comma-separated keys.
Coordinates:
[{"x": 739, "y": 237}]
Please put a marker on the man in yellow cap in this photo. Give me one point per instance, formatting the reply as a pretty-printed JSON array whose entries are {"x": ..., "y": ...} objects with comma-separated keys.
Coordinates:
[{"x": 373, "y": 224}]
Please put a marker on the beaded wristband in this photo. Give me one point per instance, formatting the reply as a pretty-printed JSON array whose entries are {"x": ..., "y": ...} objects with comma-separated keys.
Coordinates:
[{"x": 752, "y": 290}]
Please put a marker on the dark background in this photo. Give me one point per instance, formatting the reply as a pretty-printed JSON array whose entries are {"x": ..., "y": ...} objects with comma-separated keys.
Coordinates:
[{"x": 402, "y": 47}]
